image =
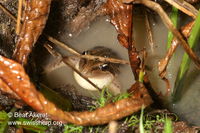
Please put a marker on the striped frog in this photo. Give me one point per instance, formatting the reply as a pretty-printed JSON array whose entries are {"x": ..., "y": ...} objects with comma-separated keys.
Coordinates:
[{"x": 100, "y": 73}]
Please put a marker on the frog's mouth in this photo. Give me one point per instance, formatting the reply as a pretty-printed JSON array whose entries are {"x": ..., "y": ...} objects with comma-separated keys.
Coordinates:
[{"x": 98, "y": 79}]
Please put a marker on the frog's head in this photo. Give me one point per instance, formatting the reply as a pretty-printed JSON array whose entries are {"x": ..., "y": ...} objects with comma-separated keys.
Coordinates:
[{"x": 100, "y": 73}]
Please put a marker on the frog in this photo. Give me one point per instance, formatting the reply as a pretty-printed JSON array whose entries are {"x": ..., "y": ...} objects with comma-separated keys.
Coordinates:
[{"x": 101, "y": 73}]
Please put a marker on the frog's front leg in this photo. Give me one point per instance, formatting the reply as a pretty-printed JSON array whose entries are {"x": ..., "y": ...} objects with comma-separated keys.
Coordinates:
[
  {"x": 58, "y": 63},
  {"x": 115, "y": 87}
]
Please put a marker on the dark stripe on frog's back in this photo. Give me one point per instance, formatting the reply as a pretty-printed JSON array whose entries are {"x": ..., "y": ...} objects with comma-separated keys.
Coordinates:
[{"x": 104, "y": 52}]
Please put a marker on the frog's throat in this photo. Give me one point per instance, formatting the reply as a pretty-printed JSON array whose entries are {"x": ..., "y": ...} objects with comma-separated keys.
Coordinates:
[{"x": 99, "y": 81}]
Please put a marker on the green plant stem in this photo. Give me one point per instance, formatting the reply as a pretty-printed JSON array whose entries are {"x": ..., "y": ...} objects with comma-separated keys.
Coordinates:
[
  {"x": 59, "y": 101},
  {"x": 4, "y": 125},
  {"x": 174, "y": 21},
  {"x": 141, "y": 76},
  {"x": 141, "y": 126},
  {"x": 168, "y": 125},
  {"x": 31, "y": 125},
  {"x": 183, "y": 69}
]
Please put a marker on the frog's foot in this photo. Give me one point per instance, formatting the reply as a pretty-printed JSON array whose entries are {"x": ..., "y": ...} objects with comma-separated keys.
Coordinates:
[
  {"x": 58, "y": 63},
  {"x": 51, "y": 66},
  {"x": 115, "y": 87}
]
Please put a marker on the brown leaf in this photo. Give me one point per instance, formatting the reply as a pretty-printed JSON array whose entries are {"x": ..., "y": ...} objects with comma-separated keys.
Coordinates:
[
  {"x": 13, "y": 75},
  {"x": 191, "y": 1},
  {"x": 162, "y": 64},
  {"x": 135, "y": 90},
  {"x": 10, "y": 94},
  {"x": 158, "y": 102},
  {"x": 129, "y": 1},
  {"x": 121, "y": 18},
  {"x": 123, "y": 40},
  {"x": 35, "y": 17},
  {"x": 112, "y": 111},
  {"x": 135, "y": 62},
  {"x": 20, "y": 130}
]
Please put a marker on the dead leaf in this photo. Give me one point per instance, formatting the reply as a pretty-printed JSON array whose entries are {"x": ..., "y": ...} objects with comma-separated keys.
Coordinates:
[
  {"x": 14, "y": 78},
  {"x": 13, "y": 75},
  {"x": 35, "y": 17},
  {"x": 162, "y": 64},
  {"x": 121, "y": 18}
]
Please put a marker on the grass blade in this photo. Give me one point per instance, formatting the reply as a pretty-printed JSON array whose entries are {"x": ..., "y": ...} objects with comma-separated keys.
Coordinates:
[
  {"x": 59, "y": 101},
  {"x": 141, "y": 75},
  {"x": 168, "y": 125},
  {"x": 141, "y": 126},
  {"x": 183, "y": 69},
  {"x": 19, "y": 122},
  {"x": 4, "y": 126},
  {"x": 174, "y": 21}
]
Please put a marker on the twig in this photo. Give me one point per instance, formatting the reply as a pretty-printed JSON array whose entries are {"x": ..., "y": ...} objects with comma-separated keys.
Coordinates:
[
  {"x": 150, "y": 37},
  {"x": 57, "y": 55},
  {"x": 184, "y": 7},
  {"x": 143, "y": 59},
  {"x": 89, "y": 57},
  {"x": 104, "y": 59},
  {"x": 62, "y": 45},
  {"x": 19, "y": 17},
  {"x": 7, "y": 12},
  {"x": 172, "y": 28},
  {"x": 142, "y": 65}
]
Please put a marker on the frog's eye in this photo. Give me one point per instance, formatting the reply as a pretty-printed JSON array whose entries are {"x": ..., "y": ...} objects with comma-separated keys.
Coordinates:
[
  {"x": 85, "y": 53},
  {"x": 103, "y": 67}
]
